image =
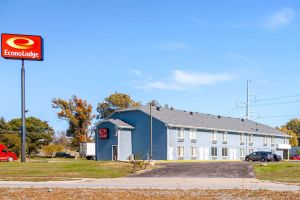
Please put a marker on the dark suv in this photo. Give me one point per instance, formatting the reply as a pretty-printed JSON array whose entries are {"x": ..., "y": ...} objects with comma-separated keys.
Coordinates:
[{"x": 260, "y": 156}]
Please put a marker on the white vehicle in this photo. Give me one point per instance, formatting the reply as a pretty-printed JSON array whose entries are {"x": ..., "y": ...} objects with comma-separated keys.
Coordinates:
[{"x": 87, "y": 150}]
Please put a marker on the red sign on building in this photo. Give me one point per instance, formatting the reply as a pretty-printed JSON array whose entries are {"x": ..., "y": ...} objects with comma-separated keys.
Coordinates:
[
  {"x": 103, "y": 133},
  {"x": 27, "y": 47}
]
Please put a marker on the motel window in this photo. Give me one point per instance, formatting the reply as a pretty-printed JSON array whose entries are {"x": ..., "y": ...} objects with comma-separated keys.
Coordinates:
[
  {"x": 265, "y": 140},
  {"x": 224, "y": 152},
  {"x": 251, "y": 138},
  {"x": 250, "y": 151},
  {"x": 224, "y": 136},
  {"x": 193, "y": 134},
  {"x": 180, "y": 151},
  {"x": 272, "y": 140},
  {"x": 242, "y": 137},
  {"x": 180, "y": 133},
  {"x": 214, "y": 152},
  {"x": 286, "y": 141},
  {"x": 213, "y": 135},
  {"x": 193, "y": 152},
  {"x": 242, "y": 153}
]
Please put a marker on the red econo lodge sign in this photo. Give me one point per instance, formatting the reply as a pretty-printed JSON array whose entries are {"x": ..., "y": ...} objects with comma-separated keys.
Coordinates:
[
  {"x": 103, "y": 133},
  {"x": 27, "y": 47}
]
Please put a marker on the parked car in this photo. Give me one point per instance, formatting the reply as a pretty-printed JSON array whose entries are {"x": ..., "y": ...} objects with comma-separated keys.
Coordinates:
[
  {"x": 63, "y": 155},
  {"x": 6, "y": 155},
  {"x": 277, "y": 157},
  {"x": 260, "y": 156},
  {"x": 295, "y": 157}
]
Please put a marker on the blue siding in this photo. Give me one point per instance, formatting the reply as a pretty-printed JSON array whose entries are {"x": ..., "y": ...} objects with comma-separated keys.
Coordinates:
[
  {"x": 104, "y": 146},
  {"x": 141, "y": 134}
]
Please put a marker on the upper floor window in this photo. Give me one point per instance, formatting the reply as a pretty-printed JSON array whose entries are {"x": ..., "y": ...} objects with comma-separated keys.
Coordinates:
[
  {"x": 250, "y": 138},
  {"x": 242, "y": 139},
  {"x": 265, "y": 140},
  {"x": 193, "y": 134},
  {"x": 286, "y": 140},
  {"x": 224, "y": 136},
  {"x": 214, "y": 136},
  {"x": 272, "y": 139},
  {"x": 180, "y": 133}
]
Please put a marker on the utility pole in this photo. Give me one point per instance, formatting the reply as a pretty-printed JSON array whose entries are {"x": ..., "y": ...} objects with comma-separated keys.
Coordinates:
[{"x": 247, "y": 101}]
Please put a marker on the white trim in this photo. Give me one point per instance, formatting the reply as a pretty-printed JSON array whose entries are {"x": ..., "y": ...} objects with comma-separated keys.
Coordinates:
[{"x": 168, "y": 132}]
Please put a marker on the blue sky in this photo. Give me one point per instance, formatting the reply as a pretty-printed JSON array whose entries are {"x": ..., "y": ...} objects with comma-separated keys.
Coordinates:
[{"x": 192, "y": 55}]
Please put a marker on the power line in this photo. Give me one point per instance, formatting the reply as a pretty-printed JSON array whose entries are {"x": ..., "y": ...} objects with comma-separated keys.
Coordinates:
[
  {"x": 276, "y": 103},
  {"x": 275, "y": 98},
  {"x": 277, "y": 116}
]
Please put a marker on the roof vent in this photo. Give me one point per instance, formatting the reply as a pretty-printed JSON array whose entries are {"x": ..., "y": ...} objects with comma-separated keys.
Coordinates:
[
  {"x": 158, "y": 108},
  {"x": 219, "y": 116},
  {"x": 191, "y": 113}
]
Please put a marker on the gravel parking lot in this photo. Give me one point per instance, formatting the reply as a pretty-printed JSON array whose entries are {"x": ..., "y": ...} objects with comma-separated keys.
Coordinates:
[{"x": 202, "y": 170}]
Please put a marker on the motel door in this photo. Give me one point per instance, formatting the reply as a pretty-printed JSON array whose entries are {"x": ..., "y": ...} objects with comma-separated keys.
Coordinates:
[
  {"x": 232, "y": 154},
  {"x": 114, "y": 152},
  {"x": 203, "y": 153},
  {"x": 171, "y": 151}
]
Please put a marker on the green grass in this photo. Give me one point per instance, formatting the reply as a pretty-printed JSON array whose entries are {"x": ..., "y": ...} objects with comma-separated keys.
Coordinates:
[
  {"x": 288, "y": 172},
  {"x": 62, "y": 169}
]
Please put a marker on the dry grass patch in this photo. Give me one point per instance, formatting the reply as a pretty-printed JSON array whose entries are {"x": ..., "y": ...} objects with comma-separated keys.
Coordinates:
[{"x": 105, "y": 194}]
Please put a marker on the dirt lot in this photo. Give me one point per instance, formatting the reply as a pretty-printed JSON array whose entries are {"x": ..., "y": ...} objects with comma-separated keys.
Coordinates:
[{"x": 143, "y": 194}]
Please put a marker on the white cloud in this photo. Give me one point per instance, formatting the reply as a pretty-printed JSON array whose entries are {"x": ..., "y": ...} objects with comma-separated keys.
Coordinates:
[
  {"x": 181, "y": 80},
  {"x": 174, "y": 46},
  {"x": 136, "y": 72},
  {"x": 280, "y": 19}
]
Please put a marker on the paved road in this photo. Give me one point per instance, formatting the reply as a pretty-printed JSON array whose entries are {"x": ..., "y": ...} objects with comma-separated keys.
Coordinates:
[
  {"x": 202, "y": 170},
  {"x": 157, "y": 183}
]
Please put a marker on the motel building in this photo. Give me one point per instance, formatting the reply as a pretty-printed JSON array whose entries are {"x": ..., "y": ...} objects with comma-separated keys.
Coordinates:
[{"x": 182, "y": 135}]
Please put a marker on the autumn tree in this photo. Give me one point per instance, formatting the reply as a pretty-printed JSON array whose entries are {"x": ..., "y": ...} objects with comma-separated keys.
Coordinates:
[
  {"x": 293, "y": 139},
  {"x": 292, "y": 128},
  {"x": 78, "y": 113},
  {"x": 113, "y": 103}
]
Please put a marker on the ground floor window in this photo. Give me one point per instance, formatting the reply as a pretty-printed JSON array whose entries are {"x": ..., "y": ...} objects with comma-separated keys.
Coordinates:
[
  {"x": 250, "y": 151},
  {"x": 214, "y": 152},
  {"x": 180, "y": 151},
  {"x": 193, "y": 152},
  {"x": 242, "y": 153},
  {"x": 224, "y": 153}
]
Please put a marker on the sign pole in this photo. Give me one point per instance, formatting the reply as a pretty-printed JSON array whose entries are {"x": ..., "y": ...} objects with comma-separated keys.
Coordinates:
[{"x": 23, "y": 128}]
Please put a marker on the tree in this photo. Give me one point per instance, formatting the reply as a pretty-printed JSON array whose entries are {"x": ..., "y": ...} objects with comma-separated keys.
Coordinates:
[
  {"x": 51, "y": 149},
  {"x": 113, "y": 103},
  {"x": 294, "y": 125},
  {"x": 293, "y": 139},
  {"x": 78, "y": 113},
  {"x": 38, "y": 133}
]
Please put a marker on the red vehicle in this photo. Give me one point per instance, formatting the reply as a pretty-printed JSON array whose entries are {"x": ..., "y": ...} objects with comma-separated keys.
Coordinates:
[
  {"x": 6, "y": 155},
  {"x": 296, "y": 157}
]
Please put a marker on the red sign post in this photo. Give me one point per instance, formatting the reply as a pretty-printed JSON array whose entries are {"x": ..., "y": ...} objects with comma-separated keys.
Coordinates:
[{"x": 22, "y": 47}]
